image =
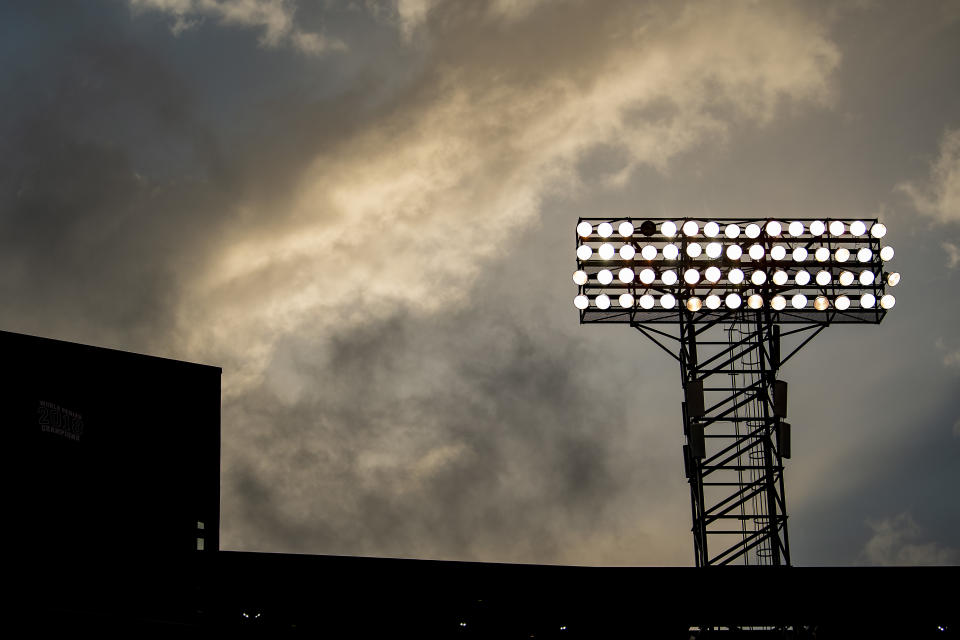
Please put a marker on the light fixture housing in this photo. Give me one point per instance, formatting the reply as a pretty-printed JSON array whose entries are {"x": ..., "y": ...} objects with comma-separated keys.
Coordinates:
[{"x": 735, "y": 260}]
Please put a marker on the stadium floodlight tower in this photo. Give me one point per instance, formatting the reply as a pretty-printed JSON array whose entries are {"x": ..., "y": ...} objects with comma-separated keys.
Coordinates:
[{"x": 714, "y": 294}]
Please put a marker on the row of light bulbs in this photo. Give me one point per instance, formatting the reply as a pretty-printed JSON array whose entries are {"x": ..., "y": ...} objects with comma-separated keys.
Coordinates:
[
  {"x": 734, "y": 276},
  {"x": 691, "y": 228},
  {"x": 714, "y": 250},
  {"x": 734, "y": 301}
]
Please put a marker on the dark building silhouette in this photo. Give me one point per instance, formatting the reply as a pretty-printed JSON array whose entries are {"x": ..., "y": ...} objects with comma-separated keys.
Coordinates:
[
  {"x": 116, "y": 453},
  {"x": 114, "y": 465}
]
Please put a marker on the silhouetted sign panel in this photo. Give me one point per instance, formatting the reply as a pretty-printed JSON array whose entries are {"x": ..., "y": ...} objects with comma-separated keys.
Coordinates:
[{"x": 113, "y": 454}]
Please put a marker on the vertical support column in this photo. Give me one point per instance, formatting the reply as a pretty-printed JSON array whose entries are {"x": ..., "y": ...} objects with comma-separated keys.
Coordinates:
[
  {"x": 733, "y": 466},
  {"x": 694, "y": 449},
  {"x": 768, "y": 344}
]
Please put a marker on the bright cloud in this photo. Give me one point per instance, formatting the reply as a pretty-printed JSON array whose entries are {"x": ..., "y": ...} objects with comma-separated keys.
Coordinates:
[
  {"x": 939, "y": 198},
  {"x": 895, "y": 541},
  {"x": 406, "y": 212},
  {"x": 953, "y": 254},
  {"x": 274, "y": 17}
]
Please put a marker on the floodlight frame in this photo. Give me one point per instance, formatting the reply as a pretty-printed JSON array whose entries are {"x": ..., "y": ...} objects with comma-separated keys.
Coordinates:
[{"x": 682, "y": 291}]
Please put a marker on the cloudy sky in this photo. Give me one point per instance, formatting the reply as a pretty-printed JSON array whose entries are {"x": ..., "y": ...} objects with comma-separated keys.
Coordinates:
[{"x": 363, "y": 211}]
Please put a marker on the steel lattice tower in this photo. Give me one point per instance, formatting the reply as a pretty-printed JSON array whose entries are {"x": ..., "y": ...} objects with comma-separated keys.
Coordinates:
[{"x": 714, "y": 296}]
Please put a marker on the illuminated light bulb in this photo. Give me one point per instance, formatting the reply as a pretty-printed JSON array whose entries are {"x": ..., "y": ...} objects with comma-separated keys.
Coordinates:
[
  {"x": 731, "y": 231},
  {"x": 584, "y": 252},
  {"x": 758, "y": 277},
  {"x": 584, "y": 229},
  {"x": 712, "y": 274},
  {"x": 626, "y": 300},
  {"x": 893, "y": 279},
  {"x": 821, "y": 303},
  {"x": 647, "y": 301},
  {"x": 756, "y": 251},
  {"x": 606, "y": 251},
  {"x": 779, "y": 303},
  {"x": 798, "y": 301},
  {"x": 605, "y": 276},
  {"x": 878, "y": 230},
  {"x": 670, "y": 252},
  {"x": 888, "y": 301},
  {"x": 691, "y": 276},
  {"x": 733, "y": 301},
  {"x": 886, "y": 253},
  {"x": 690, "y": 228},
  {"x": 867, "y": 278},
  {"x": 669, "y": 278},
  {"x": 802, "y": 278},
  {"x": 867, "y": 301},
  {"x": 864, "y": 255},
  {"x": 694, "y": 250},
  {"x": 773, "y": 228},
  {"x": 667, "y": 301},
  {"x": 753, "y": 230},
  {"x": 734, "y": 252},
  {"x": 627, "y": 252},
  {"x": 824, "y": 278},
  {"x": 604, "y": 229},
  {"x": 822, "y": 254},
  {"x": 735, "y": 276},
  {"x": 626, "y": 275},
  {"x": 649, "y": 252},
  {"x": 694, "y": 304},
  {"x": 711, "y": 230},
  {"x": 713, "y": 301},
  {"x": 581, "y": 302},
  {"x": 647, "y": 276},
  {"x": 755, "y": 301},
  {"x": 778, "y": 252},
  {"x": 580, "y": 277},
  {"x": 668, "y": 229},
  {"x": 795, "y": 229},
  {"x": 842, "y": 303},
  {"x": 780, "y": 277},
  {"x": 846, "y": 278},
  {"x": 837, "y": 228},
  {"x": 714, "y": 250},
  {"x": 602, "y": 301},
  {"x": 817, "y": 228},
  {"x": 857, "y": 228},
  {"x": 800, "y": 254},
  {"x": 843, "y": 254},
  {"x": 626, "y": 230}
]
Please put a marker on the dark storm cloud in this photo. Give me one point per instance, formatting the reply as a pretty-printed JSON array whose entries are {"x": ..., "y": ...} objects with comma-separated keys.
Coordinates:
[
  {"x": 96, "y": 242},
  {"x": 436, "y": 438}
]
